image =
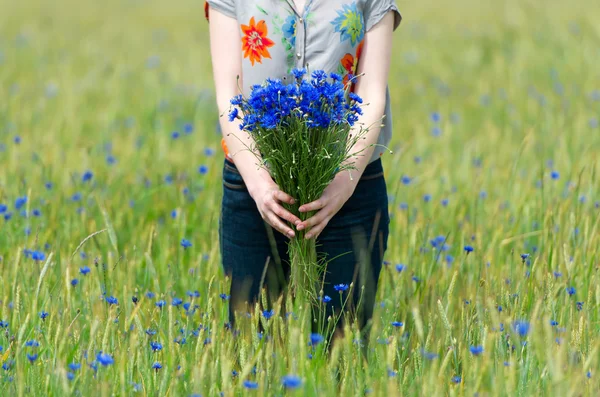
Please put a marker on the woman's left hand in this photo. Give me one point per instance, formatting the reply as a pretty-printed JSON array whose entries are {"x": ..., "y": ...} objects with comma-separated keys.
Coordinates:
[{"x": 334, "y": 197}]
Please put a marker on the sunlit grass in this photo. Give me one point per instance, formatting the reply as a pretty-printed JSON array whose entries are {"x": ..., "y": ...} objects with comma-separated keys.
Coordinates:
[{"x": 496, "y": 112}]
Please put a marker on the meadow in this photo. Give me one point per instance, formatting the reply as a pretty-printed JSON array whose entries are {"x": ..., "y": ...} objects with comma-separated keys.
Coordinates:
[{"x": 110, "y": 158}]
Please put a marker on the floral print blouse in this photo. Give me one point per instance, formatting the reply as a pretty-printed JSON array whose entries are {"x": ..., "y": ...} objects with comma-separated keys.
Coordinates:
[{"x": 276, "y": 37}]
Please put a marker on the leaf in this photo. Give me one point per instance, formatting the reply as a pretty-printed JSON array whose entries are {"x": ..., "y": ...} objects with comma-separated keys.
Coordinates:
[{"x": 262, "y": 10}]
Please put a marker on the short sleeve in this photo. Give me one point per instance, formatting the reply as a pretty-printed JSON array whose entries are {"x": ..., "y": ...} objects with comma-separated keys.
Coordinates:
[
  {"x": 226, "y": 7},
  {"x": 375, "y": 10}
]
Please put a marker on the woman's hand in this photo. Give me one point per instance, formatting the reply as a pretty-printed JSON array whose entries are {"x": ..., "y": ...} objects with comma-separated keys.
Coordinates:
[
  {"x": 268, "y": 198},
  {"x": 331, "y": 201}
]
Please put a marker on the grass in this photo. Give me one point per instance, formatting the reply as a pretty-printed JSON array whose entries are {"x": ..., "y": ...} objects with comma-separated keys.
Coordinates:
[{"x": 101, "y": 87}]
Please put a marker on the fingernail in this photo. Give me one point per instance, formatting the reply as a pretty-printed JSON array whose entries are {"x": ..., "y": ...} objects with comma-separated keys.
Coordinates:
[
  {"x": 300, "y": 227},
  {"x": 308, "y": 236},
  {"x": 290, "y": 234},
  {"x": 297, "y": 222}
]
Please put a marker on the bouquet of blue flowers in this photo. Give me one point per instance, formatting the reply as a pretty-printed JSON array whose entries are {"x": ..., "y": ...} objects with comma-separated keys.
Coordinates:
[{"x": 304, "y": 133}]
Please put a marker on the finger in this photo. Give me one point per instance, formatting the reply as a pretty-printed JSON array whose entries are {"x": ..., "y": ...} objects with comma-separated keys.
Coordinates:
[
  {"x": 316, "y": 230},
  {"x": 313, "y": 220},
  {"x": 284, "y": 214},
  {"x": 313, "y": 206},
  {"x": 282, "y": 196},
  {"x": 276, "y": 222}
]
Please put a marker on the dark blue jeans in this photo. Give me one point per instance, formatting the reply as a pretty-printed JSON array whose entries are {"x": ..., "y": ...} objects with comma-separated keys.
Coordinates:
[{"x": 255, "y": 255}]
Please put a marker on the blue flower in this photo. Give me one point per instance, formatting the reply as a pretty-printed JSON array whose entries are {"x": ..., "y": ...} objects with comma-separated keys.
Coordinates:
[
  {"x": 174, "y": 135},
  {"x": 325, "y": 299},
  {"x": 224, "y": 296},
  {"x": 111, "y": 300},
  {"x": 427, "y": 198},
  {"x": 87, "y": 176},
  {"x": 3, "y": 324},
  {"x": 155, "y": 346},
  {"x": 76, "y": 197},
  {"x": 350, "y": 23},
  {"x": 186, "y": 243},
  {"x": 188, "y": 128},
  {"x": 468, "y": 249},
  {"x": 156, "y": 366},
  {"x": 32, "y": 357},
  {"x": 315, "y": 339},
  {"x": 150, "y": 332},
  {"x": 150, "y": 295},
  {"x": 289, "y": 30},
  {"x": 456, "y": 379},
  {"x": 36, "y": 212},
  {"x": 476, "y": 350},
  {"x": 176, "y": 302},
  {"x": 17, "y": 139},
  {"x": 105, "y": 359},
  {"x": 429, "y": 355},
  {"x": 203, "y": 169},
  {"x": 521, "y": 328},
  {"x": 3, "y": 208},
  {"x": 20, "y": 202},
  {"x": 84, "y": 270},
  {"x": 110, "y": 159},
  {"x": 579, "y": 306},
  {"x": 44, "y": 315},
  {"x": 74, "y": 366},
  {"x": 32, "y": 343},
  {"x": 268, "y": 313},
  {"x": 444, "y": 202},
  {"x": 571, "y": 291},
  {"x": 38, "y": 256},
  {"x": 250, "y": 385},
  {"x": 161, "y": 303},
  {"x": 553, "y": 323},
  {"x": 74, "y": 282},
  {"x": 397, "y": 324},
  {"x": 557, "y": 274},
  {"x": 555, "y": 175},
  {"x": 416, "y": 279},
  {"x": 340, "y": 287},
  {"x": 524, "y": 257},
  {"x": 406, "y": 180},
  {"x": 291, "y": 382},
  {"x": 70, "y": 375},
  {"x": 400, "y": 267}
]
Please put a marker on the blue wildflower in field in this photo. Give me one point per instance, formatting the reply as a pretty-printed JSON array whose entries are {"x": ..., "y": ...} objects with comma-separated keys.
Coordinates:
[
  {"x": 267, "y": 314},
  {"x": 161, "y": 303},
  {"x": 400, "y": 267},
  {"x": 248, "y": 384},
  {"x": 524, "y": 257},
  {"x": 315, "y": 339},
  {"x": 150, "y": 295},
  {"x": 340, "y": 287},
  {"x": 111, "y": 300},
  {"x": 156, "y": 366},
  {"x": 186, "y": 243},
  {"x": 476, "y": 350},
  {"x": 111, "y": 160},
  {"x": 3, "y": 324},
  {"x": 449, "y": 259},
  {"x": 429, "y": 355},
  {"x": 579, "y": 306},
  {"x": 44, "y": 315},
  {"x": 176, "y": 302},
  {"x": 436, "y": 131},
  {"x": 20, "y": 202},
  {"x": 444, "y": 202},
  {"x": 84, "y": 270},
  {"x": 554, "y": 175},
  {"x": 193, "y": 294},
  {"x": 521, "y": 328},
  {"x": 589, "y": 374},
  {"x": 203, "y": 169},
  {"x": 32, "y": 357},
  {"x": 38, "y": 256},
  {"x": 3, "y": 208},
  {"x": 175, "y": 135},
  {"x": 325, "y": 299},
  {"x": 70, "y": 375},
  {"x": 427, "y": 198},
  {"x": 150, "y": 332},
  {"x": 87, "y": 176},
  {"x": 553, "y": 323},
  {"x": 104, "y": 359},
  {"x": 468, "y": 249},
  {"x": 571, "y": 291},
  {"x": 156, "y": 346},
  {"x": 557, "y": 274},
  {"x": 416, "y": 279},
  {"x": 17, "y": 139},
  {"x": 406, "y": 180},
  {"x": 74, "y": 282},
  {"x": 74, "y": 366},
  {"x": 76, "y": 197},
  {"x": 403, "y": 206},
  {"x": 397, "y": 324},
  {"x": 456, "y": 379},
  {"x": 32, "y": 343},
  {"x": 224, "y": 296},
  {"x": 291, "y": 381}
]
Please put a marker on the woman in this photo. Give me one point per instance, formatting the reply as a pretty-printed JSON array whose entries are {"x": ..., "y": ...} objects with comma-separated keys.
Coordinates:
[{"x": 258, "y": 39}]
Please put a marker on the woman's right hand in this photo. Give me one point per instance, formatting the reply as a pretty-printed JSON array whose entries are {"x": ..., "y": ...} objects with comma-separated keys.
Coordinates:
[{"x": 268, "y": 198}]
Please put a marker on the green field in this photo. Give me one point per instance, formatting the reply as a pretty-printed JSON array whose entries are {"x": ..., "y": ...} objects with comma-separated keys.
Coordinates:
[{"x": 510, "y": 169}]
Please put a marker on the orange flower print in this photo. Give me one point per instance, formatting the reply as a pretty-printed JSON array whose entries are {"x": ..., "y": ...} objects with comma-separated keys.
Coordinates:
[
  {"x": 255, "y": 42},
  {"x": 349, "y": 63}
]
